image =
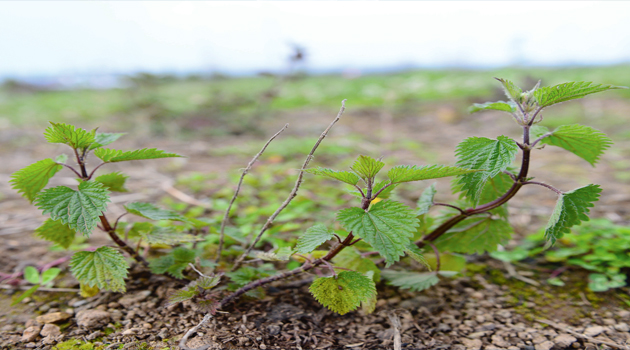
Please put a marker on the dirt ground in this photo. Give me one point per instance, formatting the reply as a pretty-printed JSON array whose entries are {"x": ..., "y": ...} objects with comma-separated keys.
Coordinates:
[{"x": 483, "y": 309}]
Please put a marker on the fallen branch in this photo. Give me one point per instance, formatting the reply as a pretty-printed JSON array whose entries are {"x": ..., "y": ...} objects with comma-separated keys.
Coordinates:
[{"x": 238, "y": 189}]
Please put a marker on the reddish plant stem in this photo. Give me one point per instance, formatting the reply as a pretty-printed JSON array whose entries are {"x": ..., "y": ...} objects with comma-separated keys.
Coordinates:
[
  {"x": 114, "y": 236},
  {"x": 518, "y": 183},
  {"x": 305, "y": 267}
]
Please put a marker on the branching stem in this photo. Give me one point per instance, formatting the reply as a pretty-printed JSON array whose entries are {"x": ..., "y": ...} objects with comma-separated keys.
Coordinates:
[
  {"x": 238, "y": 189},
  {"x": 293, "y": 193},
  {"x": 112, "y": 234},
  {"x": 544, "y": 185},
  {"x": 450, "y": 206}
]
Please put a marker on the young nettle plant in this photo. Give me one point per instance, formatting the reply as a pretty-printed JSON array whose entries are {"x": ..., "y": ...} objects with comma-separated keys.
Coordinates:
[
  {"x": 81, "y": 210},
  {"x": 485, "y": 180}
]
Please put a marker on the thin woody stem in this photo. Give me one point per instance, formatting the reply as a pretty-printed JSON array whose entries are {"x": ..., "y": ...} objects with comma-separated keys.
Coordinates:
[
  {"x": 293, "y": 193},
  {"x": 71, "y": 168},
  {"x": 96, "y": 168},
  {"x": 238, "y": 189},
  {"x": 112, "y": 234},
  {"x": 544, "y": 185},
  {"x": 518, "y": 183},
  {"x": 450, "y": 206}
]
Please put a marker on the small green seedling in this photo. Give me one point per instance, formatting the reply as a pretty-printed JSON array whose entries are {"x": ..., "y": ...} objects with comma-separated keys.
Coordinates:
[
  {"x": 33, "y": 277},
  {"x": 81, "y": 209}
]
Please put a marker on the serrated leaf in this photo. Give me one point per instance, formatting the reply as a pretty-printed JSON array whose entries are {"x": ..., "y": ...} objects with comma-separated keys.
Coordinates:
[
  {"x": 509, "y": 107},
  {"x": 31, "y": 180},
  {"x": 108, "y": 155},
  {"x": 104, "y": 268},
  {"x": 387, "y": 227},
  {"x": 512, "y": 91},
  {"x": 208, "y": 282},
  {"x": 174, "y": 263},
  {"x": 150, "y": 211},
  {"x": 313, "y": 238},
  {"x": 57, "y": 232},
  {"x": 475, "y": 235},
  {"x": 104, "y": 138},
  {"x": 495, "y": 188},
  {"x": 350, "y": 259},
  {"x": 571, "y": 209},
  {"x": 367, "y": 167},
  {"x": 583, "y": 141},
  {"x": 182, "y": 295},
  {"x": 415, "y": 281},
  {"x": 425, "y": 202},
  {"x": 70, "y": 135},
  {"x": 344, "y": 293},
  {"x": 406, "y": 173},
  {"x": 343, "y": 176},
  {"x": 113, "y": 181},
  {"x": 168, "y": 236},
  {"x": 416, "y": 254},
  {"x": 547, "y": 96},
  {"x": 368, "y": 306},
  {"x": 80, "y": 209},
  {"x": 480, "y": 153}
]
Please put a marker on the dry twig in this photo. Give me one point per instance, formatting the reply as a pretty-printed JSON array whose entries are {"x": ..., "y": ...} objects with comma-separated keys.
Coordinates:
[
  {"x": 238, "y": 189},
  {"x": 293, "y": 193}
]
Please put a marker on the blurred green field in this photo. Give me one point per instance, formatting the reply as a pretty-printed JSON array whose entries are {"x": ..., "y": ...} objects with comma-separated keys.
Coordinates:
[{"x": 225, "y": 104}]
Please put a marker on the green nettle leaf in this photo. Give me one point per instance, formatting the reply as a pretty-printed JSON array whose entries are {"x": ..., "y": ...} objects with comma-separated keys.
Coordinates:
[
  {"x": 57, "y": 232},
  {"x": 509, "y": 107},
  {"x": 182, "y": 295},
  {"x": 416, "y": 254},
  {"x": 583, "y": 141},
  {"x": 367, "y": 167},
  {"x": 31, "y": 180},
  {"x": 571, "y": 209},
  {"x": 104, "y": 138},
  {"x": 387, "y": 227},
  {"x": 425, "y": 202},
  {"x": 480, "y": 153},
  {"x": 512, "y": 91},
  {"x": 150, "y": 211},
  {"x": 313, "y": 238},
  {"x": 174, "y": 263},
  {"x": 108, "y": 155},
  {"x": 104, "y": 268},
  {"x": 208, "y": 282},
  {"x": 113, "y": 181},
  {"x": 70, "y": 135},
  {"x": 50, "y": 274},
  {"x": 80, "y": 209},
  {"x": 343, "y": 176},
  {"x": 344, "y": 293},
  {"x": 415, "y": 281},
  {"x": 406, "y": 173},
  {"x": 495, "y": 188},
  {"x": 350, "y": 259},
  {"x": 475, "y": 235},
  {"x": 547, "y": 96},
  {"x": 536, "y": 131}
]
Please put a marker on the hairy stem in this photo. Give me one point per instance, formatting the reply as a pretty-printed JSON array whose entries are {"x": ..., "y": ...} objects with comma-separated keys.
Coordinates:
[
  {"x": 112, "y": 234},
  {"x": 544, "y": 185},
  {"x": 238, "y": 189},
  {"x": 293, "y": 193},
  {"x": 518, "y": 183}
]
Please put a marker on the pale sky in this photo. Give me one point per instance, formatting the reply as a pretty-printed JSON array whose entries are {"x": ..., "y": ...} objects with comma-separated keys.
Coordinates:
[{"x": 48, "y": 38}]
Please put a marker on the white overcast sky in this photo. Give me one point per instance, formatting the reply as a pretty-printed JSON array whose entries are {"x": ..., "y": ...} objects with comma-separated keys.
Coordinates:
[{"x": 49, "y": 38}]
